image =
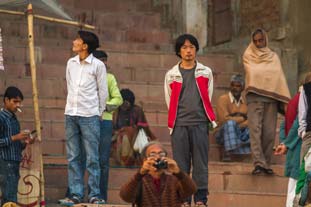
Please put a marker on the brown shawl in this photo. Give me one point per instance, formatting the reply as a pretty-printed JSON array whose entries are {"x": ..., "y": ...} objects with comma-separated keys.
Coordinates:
[{"x": 263, "y": 72}]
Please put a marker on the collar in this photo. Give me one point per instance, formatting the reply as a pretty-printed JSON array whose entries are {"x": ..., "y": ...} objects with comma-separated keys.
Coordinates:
[
  {"x": 233, "y": 100},
  {"x": 88, "y": 59},
  {"x": 7, "y": 113}
]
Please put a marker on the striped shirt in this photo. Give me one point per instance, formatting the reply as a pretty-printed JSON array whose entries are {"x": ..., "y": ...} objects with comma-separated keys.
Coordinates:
[{"x": 9, "y": 126}]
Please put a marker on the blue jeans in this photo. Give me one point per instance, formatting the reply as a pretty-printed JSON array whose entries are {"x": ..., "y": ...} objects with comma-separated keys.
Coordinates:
[
  {"x": 82, "y": 134},
  {"x": 9, "y": 173},
  {"x": 104, "y": 154}
]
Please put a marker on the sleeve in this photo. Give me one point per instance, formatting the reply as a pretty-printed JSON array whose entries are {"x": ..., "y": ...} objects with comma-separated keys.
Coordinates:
[
  {"x": 282, "y": 132},
  {"x": 5, "y": 137},
  {"x": 223, "y": 113},
  {"x": 210, "y": 86},
  {"x": 141, "y": 120},
  {"x": 114, "y": 94},
  {"x": 167, "y": 90},
  {"x": 292, "y": 138},
  {"x": 129, "y": 190},
  {"x": 302, "y": 113},
  {"x": 101, "y": 78},
  {"x": 186, "y": 185},
  {"x": 143, "y": 123}
]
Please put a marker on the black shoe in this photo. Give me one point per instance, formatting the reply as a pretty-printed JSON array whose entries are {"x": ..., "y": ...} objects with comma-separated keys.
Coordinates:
[
  {"x": 269, "y": 171},
  {"x": 258, "y": 170}
]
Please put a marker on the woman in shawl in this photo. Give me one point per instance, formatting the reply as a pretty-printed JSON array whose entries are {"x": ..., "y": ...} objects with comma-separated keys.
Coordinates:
[
  {"x": 266, "y": 92},
  {"x": 127, "y": 121}
]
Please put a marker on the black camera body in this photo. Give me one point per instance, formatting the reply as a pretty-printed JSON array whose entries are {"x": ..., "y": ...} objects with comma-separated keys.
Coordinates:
[{"x": 160, "y": 164}]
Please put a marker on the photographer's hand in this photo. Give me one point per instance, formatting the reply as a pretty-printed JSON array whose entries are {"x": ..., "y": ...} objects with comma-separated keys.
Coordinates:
[
  {"x": 172, "y": 165},
  {"x": 147, "y": 166}
]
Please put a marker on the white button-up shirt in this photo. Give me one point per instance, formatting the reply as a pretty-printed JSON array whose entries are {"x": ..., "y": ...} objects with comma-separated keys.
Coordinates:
[
  {"x": 302, "y": 113},
  {"x": 86, "y": 86}
]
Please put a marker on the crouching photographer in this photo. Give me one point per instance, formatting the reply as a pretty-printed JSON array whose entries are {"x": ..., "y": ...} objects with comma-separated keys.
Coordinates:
[{"x": 159, "y": 182}]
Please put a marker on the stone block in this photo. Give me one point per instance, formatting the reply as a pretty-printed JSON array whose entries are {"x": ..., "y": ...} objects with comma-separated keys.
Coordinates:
[{"x": 53, "y": 147}]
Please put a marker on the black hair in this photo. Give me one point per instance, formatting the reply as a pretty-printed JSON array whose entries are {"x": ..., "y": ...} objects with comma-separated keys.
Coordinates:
[
  {"x": 90, "y": 39},
  {"x": 12, "y": 92},
  {"x": 180, "y": 41},
  {"x": 100, "y": 54},
  {"x": 257, "y": 31},
  {"x": 128, "y": 95}
]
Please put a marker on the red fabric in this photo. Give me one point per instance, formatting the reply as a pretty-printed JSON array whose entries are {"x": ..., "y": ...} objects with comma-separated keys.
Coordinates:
[
  {"x": 291, "y": 112},
  {"x": 203, "y": 89},
  {"x": 202, "y": 83},
  {"x": 172, "y": 111},
  {"x": 157, "y": 184}
]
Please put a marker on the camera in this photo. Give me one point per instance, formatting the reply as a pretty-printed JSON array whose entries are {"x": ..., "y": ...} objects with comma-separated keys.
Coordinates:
[{"x": 160, "y": 164}]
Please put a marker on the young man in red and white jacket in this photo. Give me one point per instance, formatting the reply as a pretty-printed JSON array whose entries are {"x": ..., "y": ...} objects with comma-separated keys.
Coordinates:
[{"x": 188, "y": 90}]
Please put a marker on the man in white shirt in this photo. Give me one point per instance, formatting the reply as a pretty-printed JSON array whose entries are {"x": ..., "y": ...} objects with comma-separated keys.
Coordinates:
[
  {"x": 87, "y": 93},
  {"x": 304, "y": 116}
]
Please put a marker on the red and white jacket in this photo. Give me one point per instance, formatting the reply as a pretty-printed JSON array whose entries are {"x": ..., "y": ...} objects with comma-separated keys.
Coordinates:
[{"x": 173, "y": 85}]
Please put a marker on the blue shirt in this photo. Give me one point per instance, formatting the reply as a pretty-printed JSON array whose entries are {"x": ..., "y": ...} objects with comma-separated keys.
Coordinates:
[{"x": 9, "y": 126}]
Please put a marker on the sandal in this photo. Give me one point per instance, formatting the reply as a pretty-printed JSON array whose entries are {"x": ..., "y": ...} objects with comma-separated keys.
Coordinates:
[
  {"x": 96, "y": 200},
  {"x": 186, "y": 204},
  {"x": 69, "y": 201},
  {"x": 200, "y": 204}
]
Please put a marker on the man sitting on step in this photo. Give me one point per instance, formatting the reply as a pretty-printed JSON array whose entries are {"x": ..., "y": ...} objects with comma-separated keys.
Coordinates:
[
  {"x": 231, "y": 112},
  {"x": 159, "y": 182}
]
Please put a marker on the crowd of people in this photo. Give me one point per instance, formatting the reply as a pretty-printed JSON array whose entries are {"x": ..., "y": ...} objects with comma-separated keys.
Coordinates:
[{"x": 103, "y": 122}]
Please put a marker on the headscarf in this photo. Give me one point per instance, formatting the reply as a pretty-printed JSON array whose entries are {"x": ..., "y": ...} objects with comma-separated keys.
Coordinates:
[{"x": 263, "y": 72}]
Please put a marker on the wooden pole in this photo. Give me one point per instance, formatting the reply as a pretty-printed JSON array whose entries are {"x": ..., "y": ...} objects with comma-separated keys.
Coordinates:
[
  {"x": 87, "y": 26},
  {"x": 35, "y": 95},
  {"x": 51, "y": 19},
  {"x": 33, "y": 70}
]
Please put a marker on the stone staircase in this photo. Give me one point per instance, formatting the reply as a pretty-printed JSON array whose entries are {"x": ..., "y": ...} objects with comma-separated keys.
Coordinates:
[{"x": 140, "y": 52}]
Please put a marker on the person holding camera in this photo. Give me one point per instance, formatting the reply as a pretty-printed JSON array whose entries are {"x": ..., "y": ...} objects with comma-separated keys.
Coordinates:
[{"x": 159, "y": 182}]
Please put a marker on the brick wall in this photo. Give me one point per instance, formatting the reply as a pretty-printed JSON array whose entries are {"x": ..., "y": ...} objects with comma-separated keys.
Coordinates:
[{"x": 263, "y": 13}]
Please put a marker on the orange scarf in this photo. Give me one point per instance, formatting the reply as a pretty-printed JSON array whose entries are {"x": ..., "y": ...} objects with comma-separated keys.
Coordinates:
[{"x": 263, "y": 73}]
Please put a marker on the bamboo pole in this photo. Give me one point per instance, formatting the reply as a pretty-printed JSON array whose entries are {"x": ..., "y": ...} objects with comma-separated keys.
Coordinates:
[
  {"x": 35, "y": 96},
  {"x": 87, "y": 26},
  {"x": 51, "y": 19},
  {"x": 33, "y": 71}
]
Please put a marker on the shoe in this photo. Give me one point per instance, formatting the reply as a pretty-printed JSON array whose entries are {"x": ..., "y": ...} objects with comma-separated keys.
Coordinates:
[
  {"x": 69, "y": 201},
  {"x": 258, "y": 170},
  {"x": 96, "y": 200},
  {"x": 268, "y": 171},
  {"x": 186, "y": 204},
  {"x": 200, "y": 204}
]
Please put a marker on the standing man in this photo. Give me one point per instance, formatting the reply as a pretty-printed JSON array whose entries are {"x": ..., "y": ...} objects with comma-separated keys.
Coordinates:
[
  {"x": 266, "y": 92},
  {"x": 231, "y": 110},
  {"x": 114, "y": 100},
  {"x": 188, "y": 90},
  {"x": 12, "y": 142},
  {"x": 87, "y": 93}
]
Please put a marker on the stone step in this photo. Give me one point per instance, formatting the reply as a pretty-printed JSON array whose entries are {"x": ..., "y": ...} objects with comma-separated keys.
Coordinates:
[
  {"x": 245, "y": 199},
  {"x": 117, "y": 33},
  {"x": 231, "y": 179},
  {"x": 108, "y": 6},
  {"x": 129, "y": 20},
  {"x": 106, "y": 44},
  {"x": 117, "y": 59}
]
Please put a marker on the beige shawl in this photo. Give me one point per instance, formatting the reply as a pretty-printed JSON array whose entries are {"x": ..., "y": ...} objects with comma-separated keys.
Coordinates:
[{"x": 263, "y": 72}]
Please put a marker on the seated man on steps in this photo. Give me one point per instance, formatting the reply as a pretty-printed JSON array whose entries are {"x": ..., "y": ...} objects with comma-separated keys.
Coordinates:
[
  {"x": 231, "y": 111},
  {"x": 159, "y": 182}
]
